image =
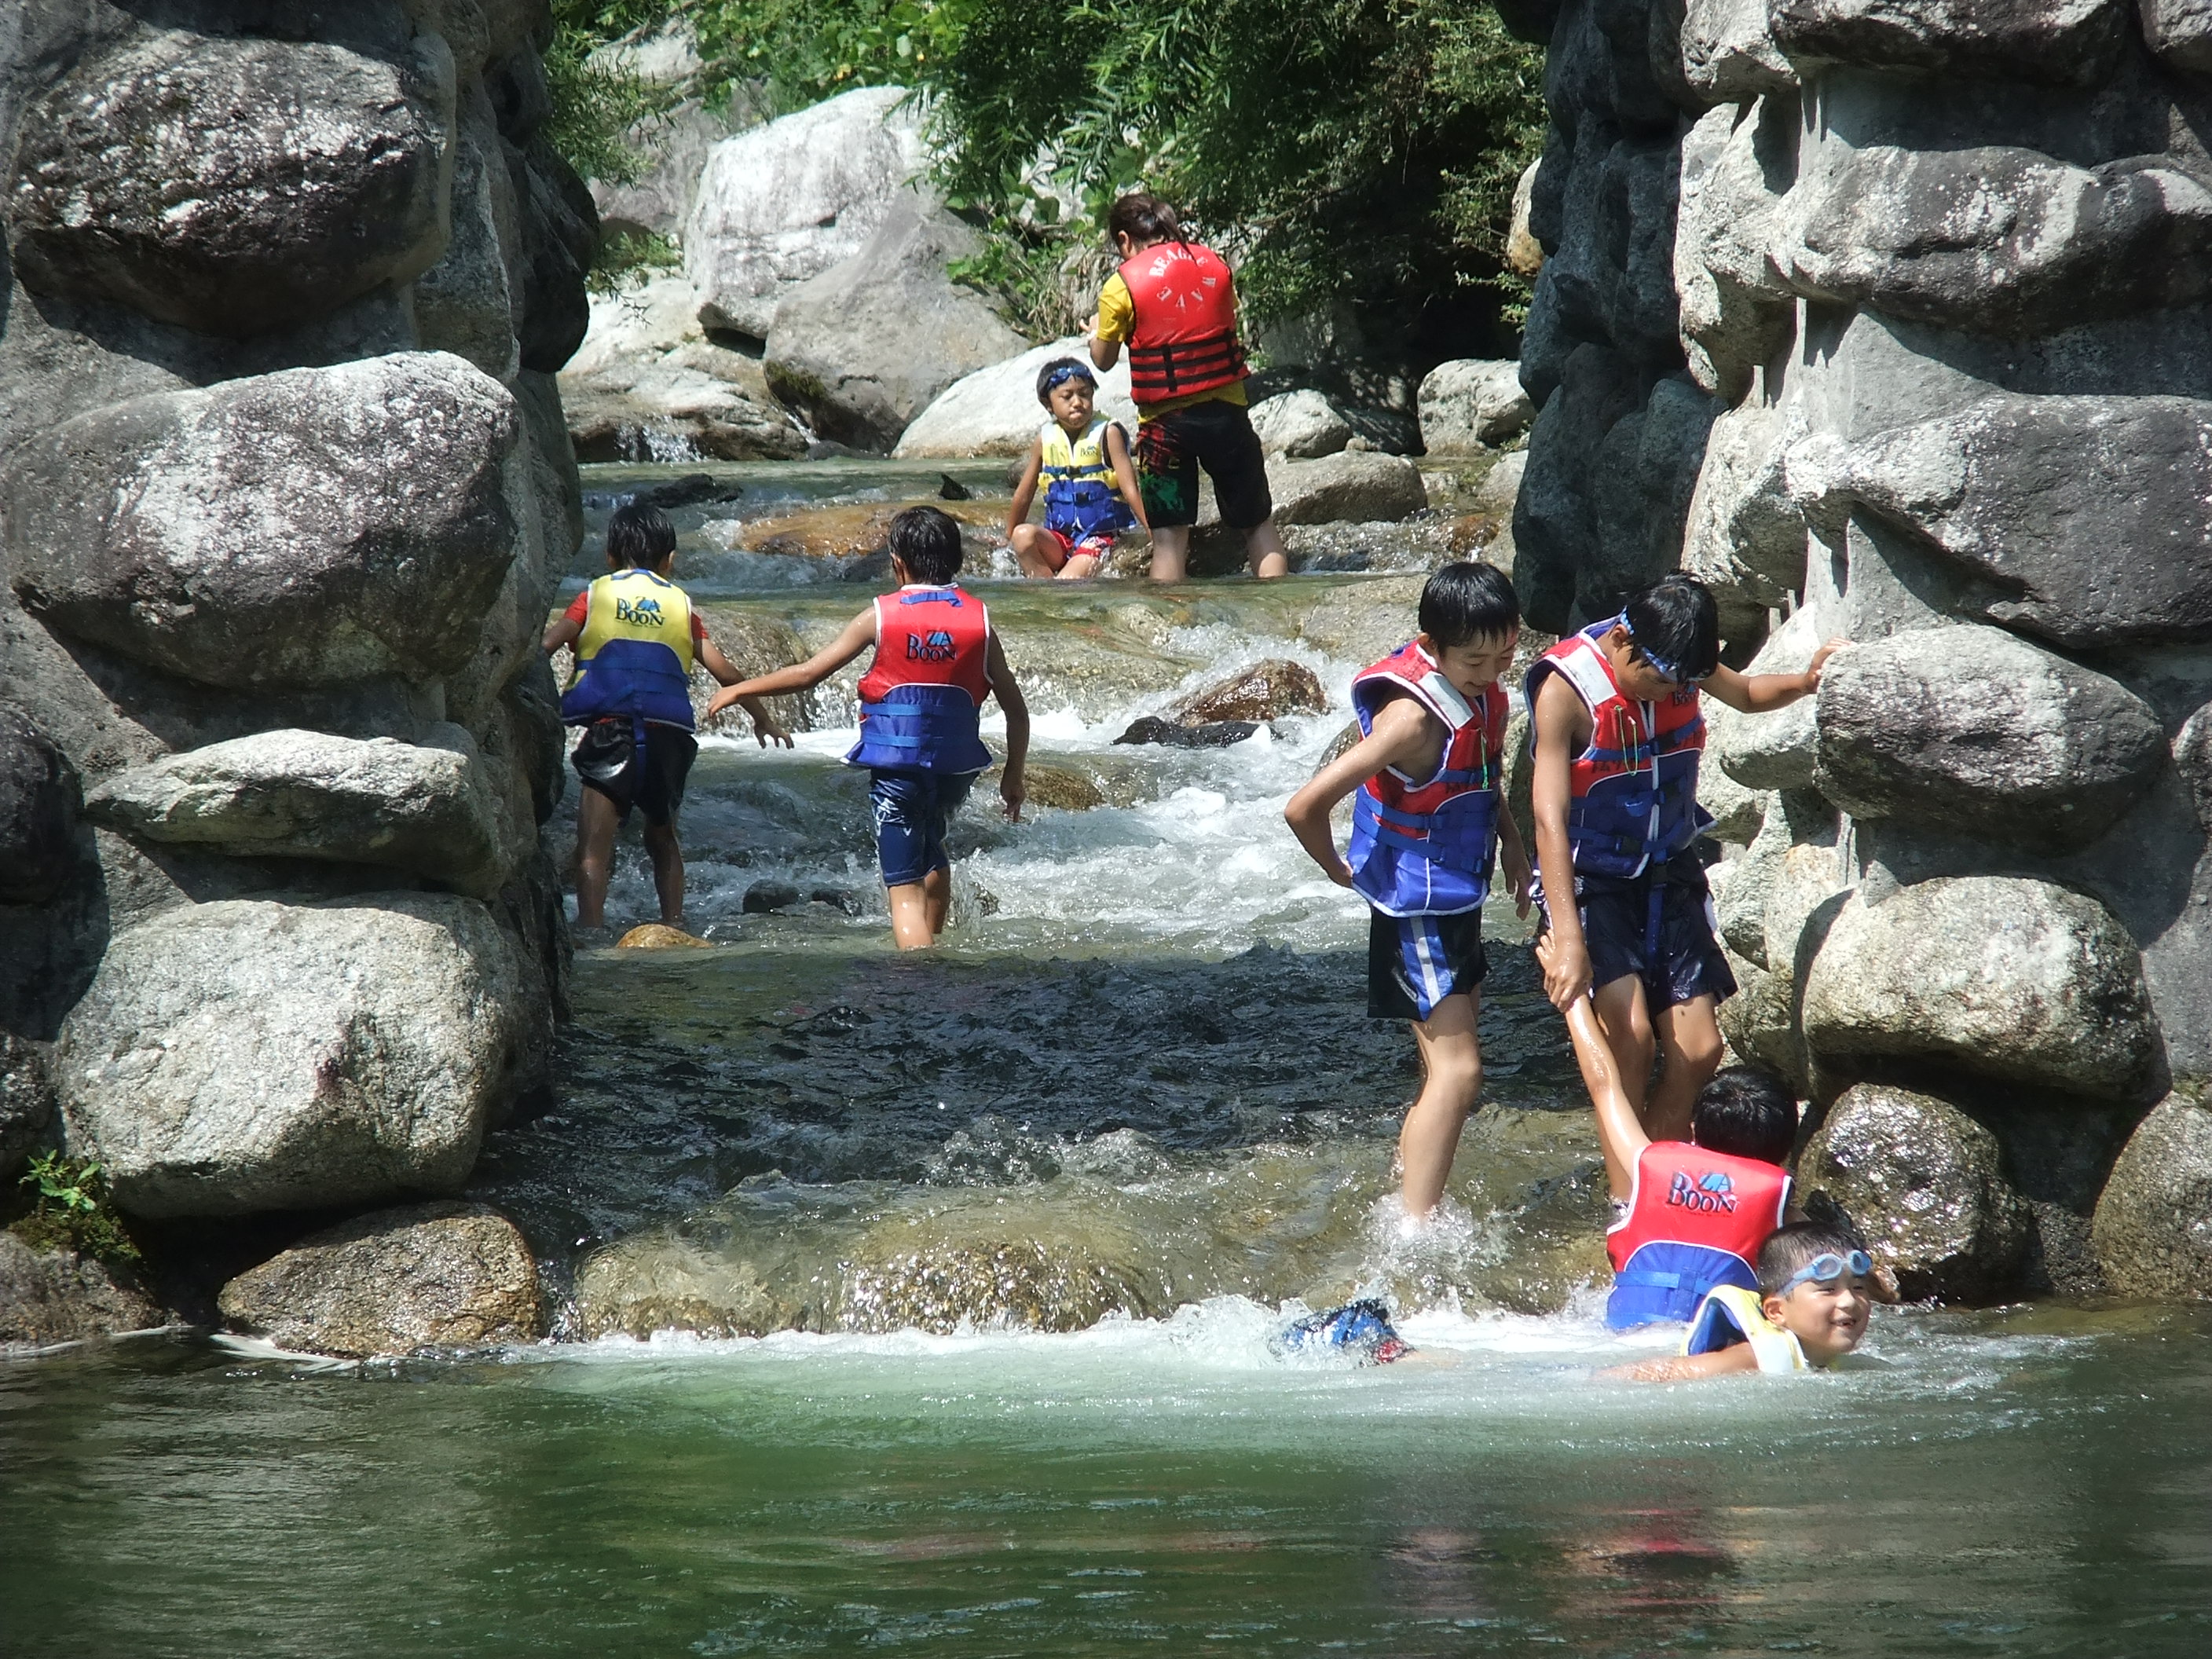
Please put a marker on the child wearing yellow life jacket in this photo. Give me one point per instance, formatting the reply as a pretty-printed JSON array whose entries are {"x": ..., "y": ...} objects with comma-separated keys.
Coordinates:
[
  {"x": 936, "y": 658},
  {"x": 635, "y": 637},
  {"x": 1815, "y": 1291},
  {"x": 1426, "y": 830},
  {"x": 1617, "y": 729},
  {"x": 1090, "y": 492}
]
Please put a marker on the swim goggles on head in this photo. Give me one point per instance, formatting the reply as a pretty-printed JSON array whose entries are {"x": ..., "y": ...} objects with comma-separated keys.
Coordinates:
[
  {"x": 1827, "y": 1269},
  {"x": 1061, "y": 377},
  {"x": 1671, "y": 672}
]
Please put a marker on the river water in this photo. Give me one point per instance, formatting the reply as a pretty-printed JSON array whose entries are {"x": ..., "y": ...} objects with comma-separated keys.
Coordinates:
[{"x": 927, "y": 1304}]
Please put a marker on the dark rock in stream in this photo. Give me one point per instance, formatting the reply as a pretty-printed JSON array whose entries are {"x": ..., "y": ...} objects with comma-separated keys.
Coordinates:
[
  {"x": 689, "y": 490},
  {"x": 767, "y": 897},
  {"x": 949, "y": 488},
  {"x": 1212, "y": 734},
  {"x": 58, "y": 1296},
  {"x": 1264, "y": 691}
]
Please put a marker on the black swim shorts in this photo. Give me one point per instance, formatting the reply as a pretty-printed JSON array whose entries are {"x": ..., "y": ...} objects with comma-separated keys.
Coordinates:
[
  {"x": 607, "y": 760},
  {"x": 1215, "y": 435},
  {"x": 1672, "y": 950}
]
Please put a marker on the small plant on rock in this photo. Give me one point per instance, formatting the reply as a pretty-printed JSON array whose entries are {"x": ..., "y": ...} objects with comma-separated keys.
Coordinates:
[{"x": 72, "y": 1210}]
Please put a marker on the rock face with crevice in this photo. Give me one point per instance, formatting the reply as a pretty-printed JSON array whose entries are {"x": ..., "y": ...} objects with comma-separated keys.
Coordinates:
[
  {"x": 1890, "y": 319},
  {"x": 285, "y": 492}
]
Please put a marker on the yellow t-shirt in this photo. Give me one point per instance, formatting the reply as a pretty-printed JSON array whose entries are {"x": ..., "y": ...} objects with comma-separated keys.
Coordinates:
[{"x": 1118, "y": 321}]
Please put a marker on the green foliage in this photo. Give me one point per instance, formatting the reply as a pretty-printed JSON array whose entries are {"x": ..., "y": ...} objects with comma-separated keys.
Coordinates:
[
  {"x": 630, "y": 255},
  {"x": 594, "y": 106},
  {"x": 72, "y": 1211}
]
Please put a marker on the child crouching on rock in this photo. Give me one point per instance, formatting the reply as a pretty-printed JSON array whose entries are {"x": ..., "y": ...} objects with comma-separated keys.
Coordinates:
[
  {"x": 635, "y": 637},
  {"x": 1427, "y": 823},
  {"x": 936, "y": 658},
  {"x": 1090, "y": 485}
]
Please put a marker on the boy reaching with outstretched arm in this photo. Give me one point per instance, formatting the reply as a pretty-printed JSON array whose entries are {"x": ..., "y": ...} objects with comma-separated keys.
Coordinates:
[
  {"x": 1090, "y": 492},
  {"x": 1427, "y": 822},
  {"x": 1618, "y": 729},
  {"x": 936, "y": 658}
]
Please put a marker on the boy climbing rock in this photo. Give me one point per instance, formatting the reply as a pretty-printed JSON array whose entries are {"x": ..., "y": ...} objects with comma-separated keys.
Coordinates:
[
  {"x": 635, "y": 637},
  {"x": 936, "y": 658},
  {"x": 1618, "y": 729},
  {"x": 1173, "y": 303},
  {"x": 1090, "y": 493},
  {"x": 1426, "y": 826}
]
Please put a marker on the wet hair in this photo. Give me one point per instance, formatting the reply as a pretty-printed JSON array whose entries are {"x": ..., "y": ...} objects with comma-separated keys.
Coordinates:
[
  {"x": 1677, "y": 627},
  {"x": 640, "y": 537},
  {"x": 1059, "y": 369},
  {"x": 1788, "y": 1248},
  {"x": 1465, "y": 601},
  {"x": 1143, "y": 218},
  {"x": 927, "y": 543},
  {"x": 1746, "y": 1111}
]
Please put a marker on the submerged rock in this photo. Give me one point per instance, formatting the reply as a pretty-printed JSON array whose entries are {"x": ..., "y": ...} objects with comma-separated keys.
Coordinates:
[
  {"x": 427, "y": 1276},
  {"x": 1924, "y": 1185},
  {"x": 58, "y": 1296},
  {"x": 2153, "y": 1229},
  {"x": 1061, "y": 786},
  {"x": 660, "y": 936},
  {"x": 1265, "y": 691},
  {"x": 247, "y": 1054},
  {"x": 1210, "y": 734},
  {"x": 765, "y": 897}
]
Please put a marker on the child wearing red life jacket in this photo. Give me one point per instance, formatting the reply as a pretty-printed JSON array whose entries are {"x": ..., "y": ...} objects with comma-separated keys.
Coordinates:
[
  {"x": 1427, "y": 826},
  {"x": 1090, "y": 493},
  {"x": 936, "y": 658},
  {"x": 1173, "y": 302},
  {"x": 635, "y": 636},
  {"x": 1689, "y": 1217},
  {"x": 1617, "y": 729}
]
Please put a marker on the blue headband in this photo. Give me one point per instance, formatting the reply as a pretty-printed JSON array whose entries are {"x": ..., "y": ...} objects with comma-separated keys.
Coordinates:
[
  {"x": 1067, "y": 372},
  {"x": 1660, "y": 665}
]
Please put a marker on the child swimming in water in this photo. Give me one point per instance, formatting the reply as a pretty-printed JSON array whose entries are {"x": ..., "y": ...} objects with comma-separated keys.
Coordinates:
[
  {"x": 936, "y": 658},
  {"x": 1090, "y": 492},
  {"x": 1427, "y": 832},
  {"x": 1810, "y": 1309}
]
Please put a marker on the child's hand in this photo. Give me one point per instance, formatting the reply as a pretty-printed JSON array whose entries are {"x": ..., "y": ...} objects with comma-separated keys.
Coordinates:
[
  {"x": 722, "y": 700},
  {"x": 1011, "y": 793},
  {"x": 1820, "y": 661},
  {"x": 1566, "y": 969},
  {"x": 1519, "y": 877},
  {"x": 768, "y": 729}
]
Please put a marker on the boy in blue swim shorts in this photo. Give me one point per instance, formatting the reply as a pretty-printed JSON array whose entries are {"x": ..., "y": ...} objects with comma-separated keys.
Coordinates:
[
  {"x": 937, "y": 659},
  {"x": 1427, "y": 824}
]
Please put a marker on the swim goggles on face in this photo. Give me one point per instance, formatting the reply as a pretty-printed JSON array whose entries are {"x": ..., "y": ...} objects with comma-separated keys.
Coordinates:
[
  {"x": 1827, "y": 1269},
  {"x": 1061, "y": 377}
]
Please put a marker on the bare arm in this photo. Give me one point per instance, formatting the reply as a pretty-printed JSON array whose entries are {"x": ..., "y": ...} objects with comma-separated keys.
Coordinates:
[
  {"x": 1567, "y": 979},
  {"x": 1686, "y": 1368},
  {"x": 1756, "y": 693},
  {"x": 1008, "y": 692},
  {"x": 1125, "y": 474},
  {"x": 859, "y": 634},
  {"x": 1018, "y": 513},
  {"x": 1401, "y": 737},
  {"x": 1514, "y": 857},
  {"x": 1105, "y": 354},
  {"x": 767, "y": 728},
  {"x": 562, "y": 631},
  {"x": 1619, "y": 1130}
]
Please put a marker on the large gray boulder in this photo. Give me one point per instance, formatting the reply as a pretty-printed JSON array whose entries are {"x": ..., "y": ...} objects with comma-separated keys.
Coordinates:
[
  {"x": 305, "y": 528},
  {"x": 48, "y": 1296},
  {"x": 247, "y": 1054},
  {"x": 428, "y": 808},
  {"x": 38, "y": 810},
  {"x": 1728, "y": 54},
  {"x": 995, "y": 410},
  {"x": 780, "y": 204},
  {"x": 1745, "y": 539},
  {"x": 1924, "y": 1185},
  {"x": 2053, "y": 40},
  {"x": 2153, "y": 1229},
  {"x": 233, "y": 185},
  {"x": 1775, "y": 749},
  {"x": 466, "y": 302},
  {"x": 1997, "y": 976},
  {"x": 2179, "y": 30},
  {"x": 27, "y": 1101},
  {"x": 1736, "y": 312},
  {"x": 441, "y": 1275},
  {"x": 1302, "y": 425},
  {"x": 1354, "y": 487},
  {"x": 1473, "y": 403},
  {"x": 862, "y": 348},
  {"x": 1970, "y": 730},
  {"x": 2085, "y": 519}
]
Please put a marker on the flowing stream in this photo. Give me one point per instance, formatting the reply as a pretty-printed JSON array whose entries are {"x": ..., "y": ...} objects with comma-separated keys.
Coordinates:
[{"x": 927, "y": 1303}]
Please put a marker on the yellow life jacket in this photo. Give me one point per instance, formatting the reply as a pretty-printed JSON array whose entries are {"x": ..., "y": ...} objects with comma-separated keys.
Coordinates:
[
  {"x": 1731, "y": 1314},
  {"x": 635, "y": 655},
  {"x": 1079, "y": 495}
]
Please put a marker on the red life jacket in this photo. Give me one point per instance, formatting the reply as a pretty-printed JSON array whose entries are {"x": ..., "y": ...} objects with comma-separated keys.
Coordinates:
[
  {"x": 1185, "y": 338},
  {"x": 922, "y": 696},
  {"x": 1425, "y": 847},
  {"x": 1634, "y": 789},
  {"x": 1696, "y": 1220}
]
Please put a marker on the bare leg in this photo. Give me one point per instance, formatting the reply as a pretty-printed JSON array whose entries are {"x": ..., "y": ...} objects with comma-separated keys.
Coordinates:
[
  {"x": 937, "y": 899},
  {"x": 910, "y": 916},
  {"x": 1451, "y": 1078},
  {"x": 595, "y": 856},
  {"x": 1034, "y": 550},
  {"x": 1079, "y": 566},
  {"x": 1263, "y": 550},
  {"x": 1627, "y": 1027},
  {"x": 660, "y": 844},
  {"x": 1171, "y": 553},
  {"x": 1689, "y": 1054}
]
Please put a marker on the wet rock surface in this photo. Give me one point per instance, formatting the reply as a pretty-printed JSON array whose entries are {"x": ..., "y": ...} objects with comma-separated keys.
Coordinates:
[
  {"x": 38, "y": 810},
  {"x": 393, "y": 1282},
  {"x": 1923, "y": 1183},
  {"x": 48, "y": 1296},
  {"x": 2153, "y": 1229},
  {"x": 1202, "y": 734},
  {"x": 1266, "y": 690}
]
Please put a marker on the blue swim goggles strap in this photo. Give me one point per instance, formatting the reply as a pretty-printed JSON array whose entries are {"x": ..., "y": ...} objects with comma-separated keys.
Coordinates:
[
  {"x": 1671, "y": 672},
  {"x": 1066, "y": 373},
  {"x": 1827, "y": 1269}
]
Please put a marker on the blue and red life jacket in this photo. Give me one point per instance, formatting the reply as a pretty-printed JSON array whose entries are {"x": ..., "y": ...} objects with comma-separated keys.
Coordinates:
[
  {"x": 1695, "y": 1221},
  {"x": 1425, "y": 847},
  {"x": 922, "y": 696},
  {"x": 1634, "y": 790},
  {"x": 633, "y": 656}
]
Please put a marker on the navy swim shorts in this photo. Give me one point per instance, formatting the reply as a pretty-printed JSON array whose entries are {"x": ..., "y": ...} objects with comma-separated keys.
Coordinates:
[
  {"x": 1671, "y": 949},
  {"x": 911, "y": 808},
  {"x": 1414, "y": 963}
]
